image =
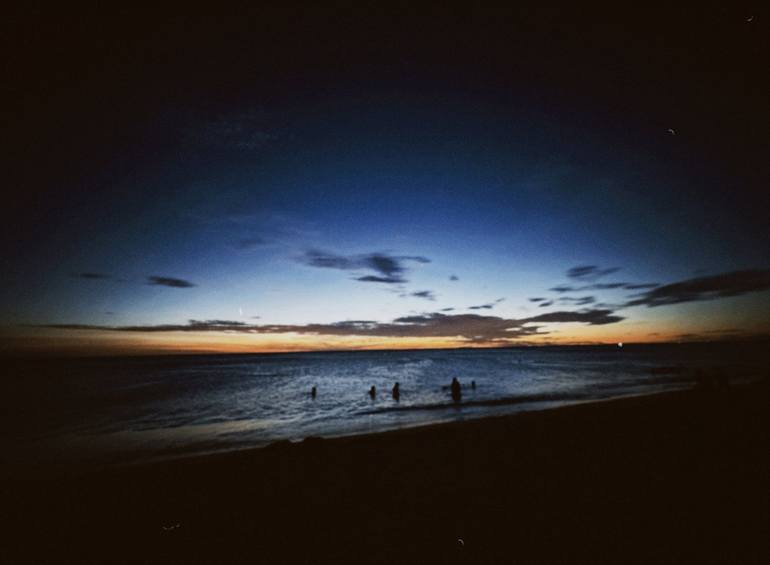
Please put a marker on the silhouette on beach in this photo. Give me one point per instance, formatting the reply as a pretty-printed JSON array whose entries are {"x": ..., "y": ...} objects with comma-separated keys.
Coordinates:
[
  {"x": 372, "y": 392},
  {"x": 313, "y": 392},
  {"x": 473, "y": 385},
  {"x": 456, "y": 392},
  {"x": 396, "y": 391}
]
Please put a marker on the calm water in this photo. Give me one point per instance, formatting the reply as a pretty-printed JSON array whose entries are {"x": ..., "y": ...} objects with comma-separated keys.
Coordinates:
[{"x": 135, "y": 409}]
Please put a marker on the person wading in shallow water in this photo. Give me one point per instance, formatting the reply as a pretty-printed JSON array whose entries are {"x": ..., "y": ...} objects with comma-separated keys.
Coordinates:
[
  {"x": 456, "y": 392},
  {"x": 396, "y": 391},
  {"x": 372, "y": 392}
]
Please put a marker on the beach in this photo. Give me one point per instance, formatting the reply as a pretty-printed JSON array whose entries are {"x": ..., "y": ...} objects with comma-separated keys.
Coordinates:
[{"x": 677, "y": 477}]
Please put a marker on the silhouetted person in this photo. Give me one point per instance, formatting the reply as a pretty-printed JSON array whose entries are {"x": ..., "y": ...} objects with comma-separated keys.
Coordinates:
[
  {"x": 313, "y": 392},
  {"x": 456, "y": 392},
  {"x": 396, "y": 391},
  {"x": 372, "y": 392},
  {"x": 473, "y": 385}
]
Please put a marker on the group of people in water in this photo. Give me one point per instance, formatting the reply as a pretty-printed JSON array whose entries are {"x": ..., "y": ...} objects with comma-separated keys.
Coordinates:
[{"x": 455, "y": 389}]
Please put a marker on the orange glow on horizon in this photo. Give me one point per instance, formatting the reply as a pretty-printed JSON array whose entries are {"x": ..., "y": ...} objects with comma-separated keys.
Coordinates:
[{"x": 101, "y": 342}]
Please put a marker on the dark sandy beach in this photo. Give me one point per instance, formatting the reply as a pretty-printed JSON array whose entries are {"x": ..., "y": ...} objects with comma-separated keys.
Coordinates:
[{"x": 680, "y": 477}]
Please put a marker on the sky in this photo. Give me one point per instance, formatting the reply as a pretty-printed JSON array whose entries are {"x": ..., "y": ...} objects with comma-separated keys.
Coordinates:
[{"x": 368, "y": 177}]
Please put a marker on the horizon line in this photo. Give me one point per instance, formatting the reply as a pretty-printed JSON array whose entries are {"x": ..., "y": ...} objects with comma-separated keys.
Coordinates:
[{"x": 52, "y": 355}]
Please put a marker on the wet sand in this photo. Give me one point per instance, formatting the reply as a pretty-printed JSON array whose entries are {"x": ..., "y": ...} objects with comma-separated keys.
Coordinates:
[{"x": 681, "y": 477}]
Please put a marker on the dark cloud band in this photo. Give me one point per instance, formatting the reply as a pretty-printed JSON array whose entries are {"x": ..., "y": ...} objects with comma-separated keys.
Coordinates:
[
  {"x": 471, "y": 327},
  {"x": 735, "y": 283},
  {"x": 169, "y": 281},
  {"x": 387, "y": 268}
]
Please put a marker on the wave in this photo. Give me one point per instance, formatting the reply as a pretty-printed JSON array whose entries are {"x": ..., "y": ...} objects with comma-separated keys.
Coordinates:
[
  {"x": 503, "y": 401},
  {"x": 602, "y": 392}
]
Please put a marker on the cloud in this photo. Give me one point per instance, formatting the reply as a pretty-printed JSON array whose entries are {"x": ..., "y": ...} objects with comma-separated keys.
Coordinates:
[
  {"x": 169, "y": 281},
  {"x": 190, "y": 326},
  {"x": 469, "y": 327},
  {"x": 564, "y": 288},
  {"x": 426, "y": 294},
  {"x": 388, "y": 280},
  {"x": 603, "y": 286},
  {"x": 454, "y": 278},
  {"x": 734, "y": 283},
  {"x": 223, "y": 323},
  {"x": 472, "y": 327},
  {"x": 91, "y": 276},
  {"x": 545, "y": 304},
  {"x": 582, "y": 301},
  {"x": 589, "y": 272},
  {"x": 388, "y": 268},
  {"x": 447, "y": 309},
  {"x": 462, "y": 326},
  {"x": 537, "y": 299},
  {"x": 488, "y": 306},
  {"x": 595, "y": 317}
]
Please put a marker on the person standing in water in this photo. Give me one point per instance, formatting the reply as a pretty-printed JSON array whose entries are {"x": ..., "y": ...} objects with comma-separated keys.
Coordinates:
[
  {"x": 372, "y": 392},
  {"x": 313, "y": 392},
  {"x": 456, "y": 392},
  {"x": 396, "y": 392}
]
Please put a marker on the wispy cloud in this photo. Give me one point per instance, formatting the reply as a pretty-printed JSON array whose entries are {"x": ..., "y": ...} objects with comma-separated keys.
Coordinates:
[
  {"x": 487, "y": 306},
  {"x": 589, "y": 272},
  {"x": 377, "y": 279},
  {"x": 169, "y": 281},
  {"x": 426, "y": 294},
  {"x": 603, "y": 286},
  {"x": 606, "y": 286},
  {"x": 387, "y": 268},
  {"x": 596, "y": 317},
  {"x": 454, "y": 278},
  {"x": 564, "y": 288},
  {"x": 577, "y": 301},
  {"x": 735, "y": 283},
  {"x": 588, "y": 275}
]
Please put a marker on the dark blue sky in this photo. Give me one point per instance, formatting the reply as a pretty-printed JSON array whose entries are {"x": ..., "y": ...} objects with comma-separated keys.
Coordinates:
[{"x": 313, "y": 168}]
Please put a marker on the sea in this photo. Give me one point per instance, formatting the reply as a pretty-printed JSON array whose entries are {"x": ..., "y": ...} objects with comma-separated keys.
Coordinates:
[{"x": 126, "y": 410}]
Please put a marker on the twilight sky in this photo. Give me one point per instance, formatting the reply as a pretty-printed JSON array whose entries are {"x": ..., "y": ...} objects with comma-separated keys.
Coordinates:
[{"x": 289, "y": 180}]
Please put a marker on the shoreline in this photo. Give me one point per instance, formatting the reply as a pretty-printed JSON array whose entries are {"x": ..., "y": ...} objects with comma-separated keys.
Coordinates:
[
  {"x": 76, "y": 469},
  {"x": 675, "y": 477}
]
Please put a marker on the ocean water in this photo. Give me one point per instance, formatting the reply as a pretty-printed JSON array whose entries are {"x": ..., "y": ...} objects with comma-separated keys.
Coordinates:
[{"x": 123, "y": 410}]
